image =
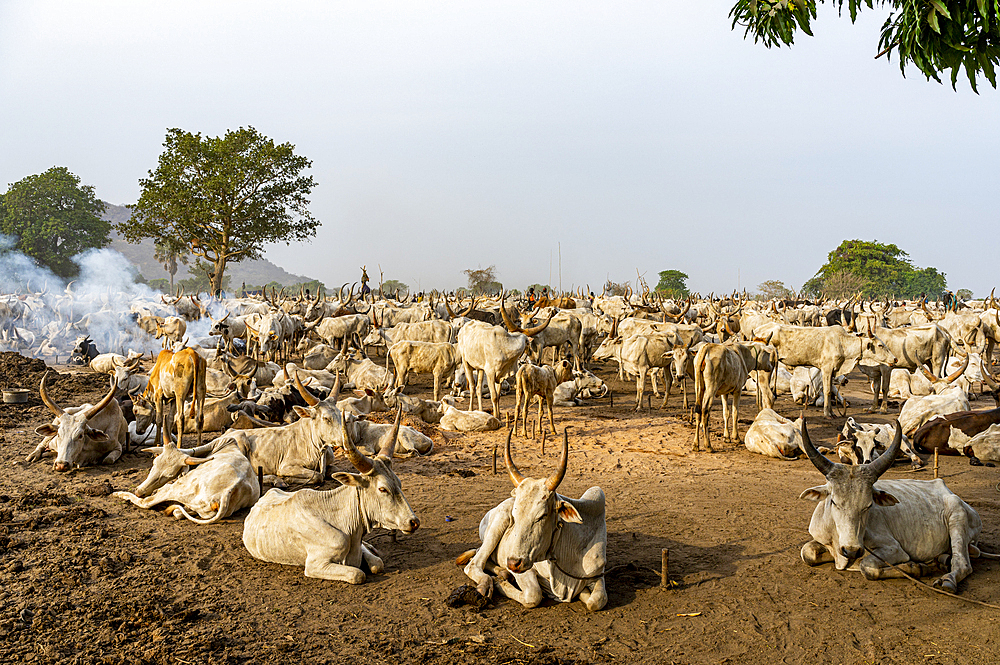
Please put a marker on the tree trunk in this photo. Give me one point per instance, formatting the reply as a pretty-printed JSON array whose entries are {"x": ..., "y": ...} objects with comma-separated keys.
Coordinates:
[{"x": 216, "y": 277}]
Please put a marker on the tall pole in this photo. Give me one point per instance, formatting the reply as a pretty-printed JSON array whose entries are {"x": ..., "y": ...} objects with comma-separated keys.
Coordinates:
[{"x": 560, "y": 268}]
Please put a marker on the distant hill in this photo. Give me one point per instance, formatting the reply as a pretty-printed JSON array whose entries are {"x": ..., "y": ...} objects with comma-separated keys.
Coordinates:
[{"x": 140, "y": 255}]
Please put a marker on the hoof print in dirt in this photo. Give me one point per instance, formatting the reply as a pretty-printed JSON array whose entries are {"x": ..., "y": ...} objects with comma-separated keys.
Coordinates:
[{"x": 467, "y": 595}]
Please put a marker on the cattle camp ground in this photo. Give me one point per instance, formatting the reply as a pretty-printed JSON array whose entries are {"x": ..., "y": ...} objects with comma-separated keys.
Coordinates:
[{"x": 88, "y": 578}]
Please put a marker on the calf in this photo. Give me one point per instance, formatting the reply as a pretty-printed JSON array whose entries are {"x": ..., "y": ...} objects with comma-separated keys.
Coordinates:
[
  {"x": 455, "y": 420},
  {"x": 322, "y": 531},
  {"x": 583, "y": 384},
  {"x": 214, "y": 488},
  {"x": 437, "y": 358},
  {"x": 534, "y": 381}
]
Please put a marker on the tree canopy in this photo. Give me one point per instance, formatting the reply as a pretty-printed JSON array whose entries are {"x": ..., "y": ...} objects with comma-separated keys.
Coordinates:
[
  {"x": 483, "y": 280},
  {"x": 773, "y": 289},
  {"x": 673, "y": 283},
  {"x": 877, "y": 269},
  {"x": 933, "y": 35},
  {"x": 222, "y": 199},
  {"x": 54, "y": 218}
]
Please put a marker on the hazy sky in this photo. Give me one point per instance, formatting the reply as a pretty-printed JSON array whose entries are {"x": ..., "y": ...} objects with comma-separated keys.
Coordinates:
[{"x": 453, "y": 135}]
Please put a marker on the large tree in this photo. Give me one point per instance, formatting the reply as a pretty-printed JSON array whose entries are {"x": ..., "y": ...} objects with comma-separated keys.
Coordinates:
[
  {"x": 222, "y": 199},
  {"x": 54, "y": 218},
  {"x": 483, "y": 280},
  {"x": 933, "y": 35},
  {"x": 673, "y": 283},
  {"x": 878, "y": 269}
]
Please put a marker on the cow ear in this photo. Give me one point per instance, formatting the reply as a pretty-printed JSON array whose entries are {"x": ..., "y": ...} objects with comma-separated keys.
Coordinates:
[
  {"x": 347, "y": 478},
  {"x": 46, "y": 430},
  {"x": 817, "y": 493},
  {"x": 884, "y": 498},
  {"x": 303, "y": 412},
  {"x": 568, "y": 513},
  {"x": 97, "y": 435},
  {"x": 369, "y": 392}
]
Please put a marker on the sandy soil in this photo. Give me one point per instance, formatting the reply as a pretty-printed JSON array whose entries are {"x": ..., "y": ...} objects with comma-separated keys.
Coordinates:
[{"x": 89, "y": 579}]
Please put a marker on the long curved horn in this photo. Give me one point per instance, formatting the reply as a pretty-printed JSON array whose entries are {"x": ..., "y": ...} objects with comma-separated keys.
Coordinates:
[
  {"x": 340, "y": 292},
  {"x": 511, "y": 326},
  {"x": 822, "y": 464},
  {"x": 53, "y": 407},
  {"x": 951, "y": 378},
  {"x": 531, "y": 332},
  {"x": 357, "y": 458},
  {"x": 987, "y": 377},
  {"x": 884, "y": 461},
  {"x": 927, "y": 373},
  {"x": 100, "y": 406},
  {"x": 447, "y": 307},
  {"x": 309, "y": 398},
  {"x": 390, "y": 446},
  {"x": 552, "y": 482},
  {"x": 351, "y": 294},
  {"x": 516, "y": 476},
  {"x": 614, "y": 327},
  {"x": 249, "y": 327},
  {"x": 472, "y": 305}
]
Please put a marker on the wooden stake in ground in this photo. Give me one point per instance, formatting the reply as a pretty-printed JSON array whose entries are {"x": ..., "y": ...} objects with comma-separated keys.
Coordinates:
[
  {"x": 664, "y": 560},
  {"x": 543, "y": 441},
  {"x": 935, "y": 463}
]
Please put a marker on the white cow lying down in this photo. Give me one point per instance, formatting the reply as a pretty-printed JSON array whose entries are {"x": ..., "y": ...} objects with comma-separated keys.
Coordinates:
[
  {"x": 215, "y": 487},
  {"x": 985, "y": 446},
  {"x": 454, "y": 420},
  {"x": 774, "y": 436},
  {"x": 322, "y": 531}
]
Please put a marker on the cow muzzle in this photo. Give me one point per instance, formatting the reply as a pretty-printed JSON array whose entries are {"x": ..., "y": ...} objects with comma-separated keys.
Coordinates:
[
  {"x": 518, "y": 565},
  {"x": 412, "y": 526},
  {"x": 61, "y": 467},
  {"x": 852, "y": 553}
]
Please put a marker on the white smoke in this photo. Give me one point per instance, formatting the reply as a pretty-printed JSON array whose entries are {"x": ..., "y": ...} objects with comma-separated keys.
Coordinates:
[{"x": 42, "y": 315}]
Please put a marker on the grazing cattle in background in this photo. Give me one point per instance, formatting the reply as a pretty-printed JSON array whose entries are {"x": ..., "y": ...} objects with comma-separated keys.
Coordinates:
[
  {"x": 171, "y": 330},
  {"x": 437, "y": 358},
  {"x": 362, "y": 372},
  {"x": 322, "y": 531},
  {"x": 863, "y": 523},
  {"x": 81, "y": 435},
  {"x": 215, "y": 487},
  {"x": 551, "y": 545}
]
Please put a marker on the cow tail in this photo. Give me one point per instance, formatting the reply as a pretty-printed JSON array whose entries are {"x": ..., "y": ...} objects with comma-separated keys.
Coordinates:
[
  {"x": 699, "y": 384},
  {"x": 219, "y": 513},
  {"x": 465, "y": 557}
]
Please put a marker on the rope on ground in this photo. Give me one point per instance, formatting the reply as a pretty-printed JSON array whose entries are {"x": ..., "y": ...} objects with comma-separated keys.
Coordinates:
[{"x": 928, "y": 586}]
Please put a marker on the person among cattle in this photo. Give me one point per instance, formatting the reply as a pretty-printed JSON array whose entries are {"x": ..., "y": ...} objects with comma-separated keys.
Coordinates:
[
  {"x": 532, "y": 297},
  {"x": 364, "y": 281}
]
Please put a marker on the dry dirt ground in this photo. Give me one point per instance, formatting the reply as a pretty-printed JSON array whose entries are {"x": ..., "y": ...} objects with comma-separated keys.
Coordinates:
[{"x": 89, "y": 579}]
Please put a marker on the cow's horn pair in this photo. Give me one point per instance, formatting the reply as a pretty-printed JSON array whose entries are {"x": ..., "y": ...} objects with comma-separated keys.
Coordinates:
[
  {"x": 552, "y": 482},
  {"x": 875, "y": 468},
  {"x": 58, "y": 410}
]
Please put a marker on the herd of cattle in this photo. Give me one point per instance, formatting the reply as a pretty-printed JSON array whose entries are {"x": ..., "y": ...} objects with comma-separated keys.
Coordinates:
[{"x": 285, "y": 422}]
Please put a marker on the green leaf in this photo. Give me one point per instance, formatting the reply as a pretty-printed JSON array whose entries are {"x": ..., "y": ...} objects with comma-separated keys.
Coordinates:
[
  {"x": 941, "y": 8},
  {"x": 932, "y": 20}
]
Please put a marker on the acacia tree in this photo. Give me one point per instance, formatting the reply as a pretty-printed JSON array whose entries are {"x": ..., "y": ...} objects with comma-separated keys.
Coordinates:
[
  {"x": 222, "y": 199},
  {"x": 774, "y": 289},
  {"x": 54, "y": 218},
  {"x": 482, "y": 280},
  {"x": 933, "y": 35}
]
